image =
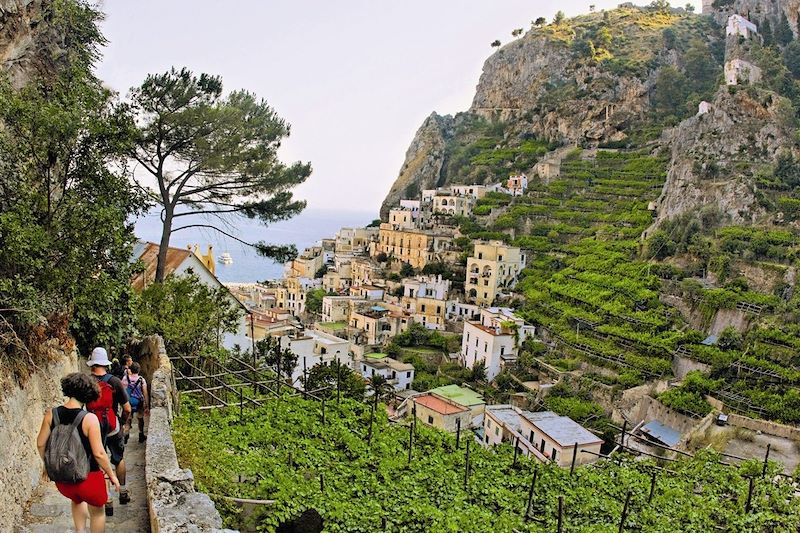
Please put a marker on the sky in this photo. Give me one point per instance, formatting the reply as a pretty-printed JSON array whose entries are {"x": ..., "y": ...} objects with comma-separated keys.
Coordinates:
[{"x": 354, "y": 78}]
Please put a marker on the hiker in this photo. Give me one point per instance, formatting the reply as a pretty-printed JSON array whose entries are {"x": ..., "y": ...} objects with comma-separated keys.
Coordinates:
[
  {"x": 137, "y": 395},
  {"x": 122, "y": 369},
  {"x": 112, "y": 396},
  {"x": 89, "y": 494}
]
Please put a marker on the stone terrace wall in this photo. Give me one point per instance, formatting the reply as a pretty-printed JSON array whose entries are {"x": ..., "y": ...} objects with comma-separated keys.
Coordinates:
[
  {"x": 21, "y": 410},
  {"x": 174, "y": 504}
]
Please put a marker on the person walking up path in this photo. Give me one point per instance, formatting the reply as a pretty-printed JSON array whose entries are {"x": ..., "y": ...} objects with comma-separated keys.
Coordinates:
[
  {"x": 77, "y": 470},
  {"x": 113, "y": 395}
]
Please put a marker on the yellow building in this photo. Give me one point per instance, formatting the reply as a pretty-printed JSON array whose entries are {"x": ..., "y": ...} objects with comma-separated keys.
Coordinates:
[
  {"x": 415, "y": 247},
  {"x": 492, "y": 267}
]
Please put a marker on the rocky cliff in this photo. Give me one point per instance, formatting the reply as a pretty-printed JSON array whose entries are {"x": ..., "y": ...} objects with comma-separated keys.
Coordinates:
[
  {"x": 716, "y": 155},
  {"x": 30, "y": 45},
  {"x": 585, "y": 81},
  {"x": 424, "y": 160}
]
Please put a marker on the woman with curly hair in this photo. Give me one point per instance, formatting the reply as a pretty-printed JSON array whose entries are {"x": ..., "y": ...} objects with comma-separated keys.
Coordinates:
[{"x": 90, "y": 495}]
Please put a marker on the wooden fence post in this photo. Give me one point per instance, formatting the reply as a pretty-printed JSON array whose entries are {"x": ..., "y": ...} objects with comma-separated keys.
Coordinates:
[
  {"x": 516, "y": 452},
  {"x": 749, "y": 496},
  {"x": 466, "y": 467},
  {"x": 410, "y": 441},
  {"x": 458, "y": 432},
  {"x": 652, "y": 486},
  {"x": 766, "y": 460}
]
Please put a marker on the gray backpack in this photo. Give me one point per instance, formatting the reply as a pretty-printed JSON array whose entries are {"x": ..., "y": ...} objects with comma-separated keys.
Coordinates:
[{"x": 64, "y": 456}]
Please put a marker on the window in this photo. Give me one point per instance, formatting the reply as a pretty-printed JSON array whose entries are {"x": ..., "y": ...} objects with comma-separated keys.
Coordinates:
[
  {"x": 502, "y": 350},
  {"x": 430, "y": 419},
  {"x": 480, "y": 255},
  {"x": 555, "y": 455},
  {"x": 394, "y": 374},
  {"x": 496, "y": 431},
  {"x": 373, "y": 371},
  {"x": 408, "y": 375},
  {"x": 364, "y": 367},
  {"x": 487, "y": 439},
  {"x": 485, "y": 346},
  {"x": 488, "y": 423},
  {"x": 467, "y": 337},
  {"x": 408, "y": 386},
  {"x": 500, "y": 258},
  {"x": 533, "y": 437},
  {"x": 423, "y": 308}
]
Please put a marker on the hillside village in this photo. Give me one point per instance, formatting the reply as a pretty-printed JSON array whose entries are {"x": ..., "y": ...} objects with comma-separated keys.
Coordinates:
[
  {"x": 579, "y": 306},
  {"x": 429, "y": 299}
]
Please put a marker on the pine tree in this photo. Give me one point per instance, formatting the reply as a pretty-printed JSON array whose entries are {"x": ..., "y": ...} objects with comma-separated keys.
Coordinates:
[
  {"x": 783, "y": 32},
  {"x": 766, "y": 33}
]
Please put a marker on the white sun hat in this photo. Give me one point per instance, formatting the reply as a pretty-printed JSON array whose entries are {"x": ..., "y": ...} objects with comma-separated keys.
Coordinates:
[{"x": 99, "y": 358}]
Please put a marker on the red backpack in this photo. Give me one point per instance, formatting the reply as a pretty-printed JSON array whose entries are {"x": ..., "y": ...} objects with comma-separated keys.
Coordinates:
[{"x": 103, "y": 406}]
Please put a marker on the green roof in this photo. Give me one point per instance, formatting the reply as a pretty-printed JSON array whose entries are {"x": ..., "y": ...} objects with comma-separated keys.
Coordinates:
[
  {"x": 460, "y": 395},
  {"x": 376, "y": 355}
]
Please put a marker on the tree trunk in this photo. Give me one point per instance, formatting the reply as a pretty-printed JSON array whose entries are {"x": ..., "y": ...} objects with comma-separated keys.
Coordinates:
[{"x": 166, "y": 232}]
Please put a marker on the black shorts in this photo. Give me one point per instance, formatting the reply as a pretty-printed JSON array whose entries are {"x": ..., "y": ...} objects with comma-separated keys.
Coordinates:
[{"x": 115, "y": 445}]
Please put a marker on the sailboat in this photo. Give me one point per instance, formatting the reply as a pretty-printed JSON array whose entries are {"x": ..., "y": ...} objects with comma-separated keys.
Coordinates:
[{"x": 226, "y": 258}]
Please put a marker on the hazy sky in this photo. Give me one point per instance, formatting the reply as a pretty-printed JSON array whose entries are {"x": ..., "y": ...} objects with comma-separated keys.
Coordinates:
[{"x": 354, "y": 78}]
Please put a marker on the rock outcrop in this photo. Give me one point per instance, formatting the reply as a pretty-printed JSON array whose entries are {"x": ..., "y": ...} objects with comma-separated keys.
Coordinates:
[
  {"x": 715, "y": 155},
  {"x": 561, "y": 98},
  {"x": 30, "y": 45},
  {"x": 424, "y": 160}
]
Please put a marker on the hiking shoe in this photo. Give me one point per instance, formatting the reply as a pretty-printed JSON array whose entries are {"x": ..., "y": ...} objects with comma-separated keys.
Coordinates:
[
  {"x": 127, "y": 437},
  {"x": 142, "y": 437},
  {"x": 124, "y": 497},
  {"x": 109, "y": 509}
]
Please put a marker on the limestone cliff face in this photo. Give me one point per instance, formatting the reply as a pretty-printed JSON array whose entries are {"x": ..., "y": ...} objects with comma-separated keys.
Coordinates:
[
  {"x": 29, "y": 45},
  {"x": 715, "y": 155},
  {"x": 424, "y": 160},
  {"x": 563, "y": 99}
]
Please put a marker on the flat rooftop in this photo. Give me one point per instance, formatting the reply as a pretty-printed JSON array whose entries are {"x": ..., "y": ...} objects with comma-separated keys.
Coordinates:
[
  {"x": 562, "y": 429},
  {"x": 440, "y": 406},
  {"x": 460, "y": 395}
]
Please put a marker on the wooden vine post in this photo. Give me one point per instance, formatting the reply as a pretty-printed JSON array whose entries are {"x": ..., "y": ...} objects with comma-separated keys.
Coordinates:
[
  {"x": 458, "y": 432},
  {"x": 560, "y": 523},
  {"x": 749, "y": 495},
  {"x": 624, "y": 512},
  {"x": 466, "y": 467},
  {"x": 530, "y": 494},
  {"x": 652, "y": 486},
  {"x": 410, "y": 441},
  {"x": 766, "y": 460},
  {"x": 516, "y": 452},
  {"x": 574, "y": 458}
]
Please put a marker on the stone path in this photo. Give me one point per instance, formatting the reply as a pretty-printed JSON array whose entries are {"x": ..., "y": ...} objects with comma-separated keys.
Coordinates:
[{"x": 49, "y": 512}]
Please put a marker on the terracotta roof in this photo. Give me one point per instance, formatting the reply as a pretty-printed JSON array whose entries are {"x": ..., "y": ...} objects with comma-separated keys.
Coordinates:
[
  {"x": 439, "y": 405},
  {"x": 175, "y": 256}
]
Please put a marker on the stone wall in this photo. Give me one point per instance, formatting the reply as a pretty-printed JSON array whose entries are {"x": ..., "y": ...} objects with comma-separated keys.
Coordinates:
[
  {"x": 765, "y": 426},
  {"x": 21, "y": 410},
  {"x": 174, "y": 504}
]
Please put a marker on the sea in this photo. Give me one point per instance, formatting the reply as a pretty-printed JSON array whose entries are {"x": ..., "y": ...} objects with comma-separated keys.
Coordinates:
[{"x": 304, "y": 230}]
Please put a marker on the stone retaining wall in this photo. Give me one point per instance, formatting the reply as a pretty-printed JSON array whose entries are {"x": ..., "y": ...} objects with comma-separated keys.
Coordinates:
[
  {"x": 174, "y": 504},
  {"x": 21, "y": 410},
  {"x": 764, "y": 426}
]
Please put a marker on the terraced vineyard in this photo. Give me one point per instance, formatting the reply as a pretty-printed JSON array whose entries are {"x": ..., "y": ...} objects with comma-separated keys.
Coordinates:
[
  {"x": 285, "y": 452},
  {"x": 590, "y": 289}
]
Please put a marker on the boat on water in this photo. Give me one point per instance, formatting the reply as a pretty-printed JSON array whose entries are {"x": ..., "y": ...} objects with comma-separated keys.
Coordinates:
[{"x": 226, "y": 258}]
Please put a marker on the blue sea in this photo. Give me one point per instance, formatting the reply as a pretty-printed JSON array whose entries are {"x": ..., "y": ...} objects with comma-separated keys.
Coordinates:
[{"x": 305, "y": 230}]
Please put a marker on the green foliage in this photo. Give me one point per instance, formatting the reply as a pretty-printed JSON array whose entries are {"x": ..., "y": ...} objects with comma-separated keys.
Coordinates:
[
  {"x": 407, "y": 271},
  {"x": 314, "y": 300},
  {"x": 783, "y": 31},
  {"x": 212, "y": 154},
  {"x": 282, "y": 449},
  {"x": 269, "y": 352},
  {"x": 730, "y": 339},
  {"x": 189, "y": 315},
  {"x": 323, "y": 379},
  {"x": 65, "y": 203}
]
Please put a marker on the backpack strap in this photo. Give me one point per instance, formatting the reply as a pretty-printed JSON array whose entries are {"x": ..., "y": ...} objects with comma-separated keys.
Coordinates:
[
  {"x": 79, "y": 418},
  {"x": 56, "y": 420},
  {"x": 106, "y": 377}
]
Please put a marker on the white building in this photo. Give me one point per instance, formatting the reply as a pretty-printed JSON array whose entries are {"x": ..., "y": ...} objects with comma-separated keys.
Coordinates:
[
  {"x": 402, "y": 218},
  {"x": 426, "y": 287},
  {"x": 545, "y": 435},
  {"x": 462, "y": 311},
  {"x": 313, "y": 347},
  {"x": 703, "y": 108},
  {"x": 739, "y": 70},
  {"x": 738, "y": 25},
  {"x": 494, "y": 340},
  {"x": 184, "y": 262},
  {"x": 400, "y": 375}
]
